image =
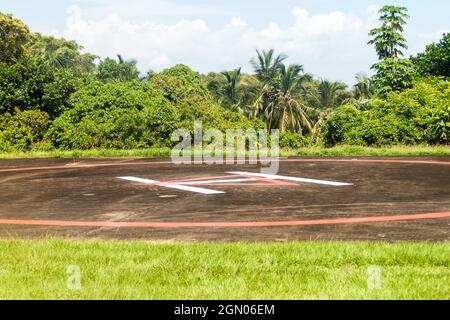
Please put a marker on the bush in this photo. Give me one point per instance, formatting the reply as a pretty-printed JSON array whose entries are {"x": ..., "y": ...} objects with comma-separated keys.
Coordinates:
[
  {"x": 22, "y": 131},
  {"x": 294, "y": 140},
  {"x": 420, "y": 115},
  {"x": 343, "y": 127},
  {"x": 115, "y": 115}
]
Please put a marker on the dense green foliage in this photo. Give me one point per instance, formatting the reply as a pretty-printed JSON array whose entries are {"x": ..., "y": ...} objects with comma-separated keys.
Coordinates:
[
  {"x": 32, "y": 84},
  {"x": 121, "y": 71},
  {"x": 186, "y": 89},
  {"x": 115, "y": 115},
  {"x": 392, "y": 73},
  {"x": 14, "y": 36},
  {"x": 63, "y": 54},
  {"x": 435, "y": 61},
  {"x": 55, "y": 97},
  {"x": 419, "y": 115},
  {"x": 24, "y": 130}
]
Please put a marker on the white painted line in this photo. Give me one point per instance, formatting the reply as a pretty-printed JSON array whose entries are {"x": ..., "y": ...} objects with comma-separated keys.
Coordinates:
[
  {"x": 171, "y": 186},
  {"x": 277, "y": 177},
  {"x": 192, "y": 189},
  {"x": 140, "y": 180},
  {"x": 215, "y": 181}
]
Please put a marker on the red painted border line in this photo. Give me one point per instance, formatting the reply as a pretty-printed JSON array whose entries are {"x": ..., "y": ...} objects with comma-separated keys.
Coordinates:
[
  {"x": 116, "y": 164},
  {"x": 237, "y": 224}
]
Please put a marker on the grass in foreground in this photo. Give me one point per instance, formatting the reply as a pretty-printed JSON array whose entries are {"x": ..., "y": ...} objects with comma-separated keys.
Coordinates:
[
  {"x": 339, "y": 151},
  {"x": 293, "y": 270}
]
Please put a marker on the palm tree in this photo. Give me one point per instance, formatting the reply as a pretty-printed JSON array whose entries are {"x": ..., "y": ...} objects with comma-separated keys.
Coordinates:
[
  {"x": 286, "y": 108},
  {"x": 329, "y": 94},
  {"x": 128, "y": 69},
  {"x": 267, "y": 70},
  {"x": 329, "y": 97},
  {"x": 231, "y": 87},
  {"x": 362, "y": 88},
  {"x": 363, "y": 93},
  {"x": 266, "y": 65}
]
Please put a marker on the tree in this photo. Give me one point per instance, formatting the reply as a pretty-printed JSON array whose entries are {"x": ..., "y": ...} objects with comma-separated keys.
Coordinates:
[
  {"x": 363, "y": 94},
  {"x": 23, "y": 130},
  {"x": 231, "y": 87},
  {"x": 388, "y": 38},
  {"x": 267, "y": 71},
  {"x": 435, "y": 61},
  {"x": 328, "y": 97},
  {"x": 266, "y": 65},
  {"x": 14, "y": 36},
  {"x": 330, "y": 94},
  {"x": 392, "y": 73},
  {"x": 118, "y": 71},
  {"x": 180, "y": 84},
  {"x": 279, "y": 92},
  {"x": 32, "y": 84},
  {"x": 187, "y": 90},
  {"x": 286, "y": 107},
  {"x": 61, "y": 53},
  {"x": 362, "y": 90}
]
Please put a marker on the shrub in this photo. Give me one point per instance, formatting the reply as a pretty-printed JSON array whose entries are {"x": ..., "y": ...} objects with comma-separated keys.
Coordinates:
[
  {"x": 418, "y": 115},
  {"x": 294, "y": 140},
  {"x": 23, "y": 130},
  {"x": 343, "y": 127},
  {"x": 115, "y": 115}
]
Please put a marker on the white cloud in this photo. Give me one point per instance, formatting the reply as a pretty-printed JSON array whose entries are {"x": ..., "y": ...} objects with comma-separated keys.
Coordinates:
[
  {"x": 237, "y": 23},
  {"x": 330, "y": 45}
]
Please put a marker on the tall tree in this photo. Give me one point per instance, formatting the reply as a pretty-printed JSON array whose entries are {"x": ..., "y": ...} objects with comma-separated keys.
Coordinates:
[
  {"x": 388, "y": 39},
  {"x": 267, "y": 70},
  {"x": 286, "y": 106},
  {"x": 266, "y": 65},
  {"x": 14, "y": 36},
  {"x": 231, "y": 87},
  {"x": 61, "y": 53},
  {"x": 392, "y": 73}
]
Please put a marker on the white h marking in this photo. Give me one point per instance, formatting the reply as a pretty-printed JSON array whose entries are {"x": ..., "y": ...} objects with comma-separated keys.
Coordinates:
[
  {"x": 172, "y": 186},
  {"x": 276, "y": 177}
]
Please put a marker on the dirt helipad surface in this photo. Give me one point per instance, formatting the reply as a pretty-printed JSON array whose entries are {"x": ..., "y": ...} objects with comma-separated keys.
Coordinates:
[{"x": 327, "y": 198}]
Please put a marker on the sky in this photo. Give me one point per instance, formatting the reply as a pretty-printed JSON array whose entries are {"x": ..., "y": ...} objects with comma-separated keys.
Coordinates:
[{"x": 328, "y": 37}]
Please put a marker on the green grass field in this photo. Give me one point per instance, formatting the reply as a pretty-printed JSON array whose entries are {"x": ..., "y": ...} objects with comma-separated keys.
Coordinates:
[
  {"x": 294, "y": 270},
  {"x": 339, "y": 151}
]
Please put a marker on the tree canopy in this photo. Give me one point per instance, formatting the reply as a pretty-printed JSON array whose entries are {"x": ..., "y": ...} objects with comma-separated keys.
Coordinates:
[
  {"x": 53, "y": 95},
  {"x": 14, "y": 37},
  {"x": 435, "y": 61}
]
